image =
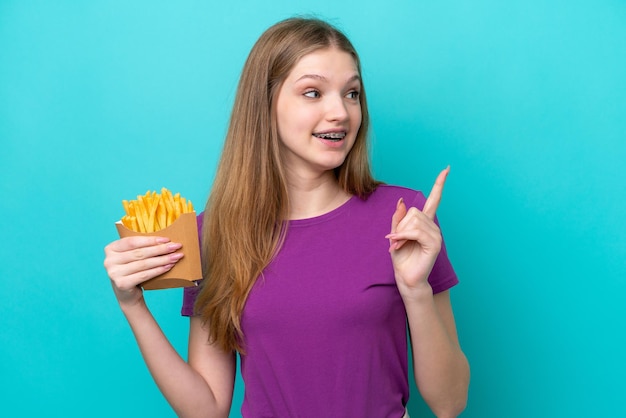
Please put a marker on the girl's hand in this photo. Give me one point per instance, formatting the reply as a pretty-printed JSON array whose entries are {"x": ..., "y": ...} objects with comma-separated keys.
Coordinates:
[
  {"x": 415, "y": 240},
  {"x": 131, "y": 261}
]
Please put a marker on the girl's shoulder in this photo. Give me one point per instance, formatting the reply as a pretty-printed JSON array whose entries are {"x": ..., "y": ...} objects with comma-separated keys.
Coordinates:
[{"x": 386, "y": 193}]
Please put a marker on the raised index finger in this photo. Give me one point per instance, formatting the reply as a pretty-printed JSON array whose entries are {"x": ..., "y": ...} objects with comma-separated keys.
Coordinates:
[{"x": 432, "y": 203}]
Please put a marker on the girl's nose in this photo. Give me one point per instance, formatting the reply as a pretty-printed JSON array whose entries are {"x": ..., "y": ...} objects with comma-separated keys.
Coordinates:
[{"x": 336, "y": 110}]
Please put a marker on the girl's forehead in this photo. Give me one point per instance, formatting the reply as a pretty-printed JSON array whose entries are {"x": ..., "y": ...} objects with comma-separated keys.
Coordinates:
[{"x": 325, "y": 60}]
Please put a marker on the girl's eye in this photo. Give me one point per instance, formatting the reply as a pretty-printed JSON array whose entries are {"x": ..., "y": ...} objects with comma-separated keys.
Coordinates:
[
  {"x": 313, "y": 94},
  {"x": 353, "y": 95}
]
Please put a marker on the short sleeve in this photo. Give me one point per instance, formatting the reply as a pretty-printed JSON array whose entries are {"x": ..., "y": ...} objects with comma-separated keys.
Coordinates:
[{"x": 189, "y": 299}]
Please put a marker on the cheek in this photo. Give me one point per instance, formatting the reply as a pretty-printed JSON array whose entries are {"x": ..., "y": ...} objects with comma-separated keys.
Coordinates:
[
  {"x": 298, "y": 121},
  {"x": 355, "y": 114},
  {"x": 284, "y": 123},
  {"x": 356, "y": 118},
  {"x": 293, "y": 129},
  {"x": 355, "y": 121}
]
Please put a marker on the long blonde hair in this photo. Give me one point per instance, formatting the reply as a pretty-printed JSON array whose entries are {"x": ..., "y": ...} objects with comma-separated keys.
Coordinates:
[{"x": 245, "y": 218}]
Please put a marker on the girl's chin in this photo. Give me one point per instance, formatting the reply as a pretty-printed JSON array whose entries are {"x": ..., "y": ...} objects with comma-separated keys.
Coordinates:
[{"x": 314, "y": 168}]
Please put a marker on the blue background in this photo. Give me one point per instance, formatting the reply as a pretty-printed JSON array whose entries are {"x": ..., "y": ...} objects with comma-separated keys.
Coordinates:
[{"x": 526, "y": 100}]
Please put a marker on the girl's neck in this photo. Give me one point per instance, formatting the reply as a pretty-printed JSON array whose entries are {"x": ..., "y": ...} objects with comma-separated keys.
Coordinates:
[{"x": 313, "y": 197}]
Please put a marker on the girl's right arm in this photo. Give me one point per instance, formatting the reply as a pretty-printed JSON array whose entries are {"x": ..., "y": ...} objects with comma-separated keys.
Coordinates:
[{"x": 203, "y": 387}]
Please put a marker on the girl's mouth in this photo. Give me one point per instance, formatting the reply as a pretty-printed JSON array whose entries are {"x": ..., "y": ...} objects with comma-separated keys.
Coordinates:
[{"x": 331, "y": 136}]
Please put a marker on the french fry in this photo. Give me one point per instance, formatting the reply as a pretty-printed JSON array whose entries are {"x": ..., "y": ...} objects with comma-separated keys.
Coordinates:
[
  {"x": 161, "y": 214},
  {"x": 169, "y": 206},
  {"x": 152, "y": 207},
  {"x": 177, "y": 210},
  {"x": 142, "y": 214},
  {"x": 152, "y": 211},
  {"x": 183, "y": 204},
  {"x": 126, "y": 220},
  {"x": 126, "y": 207}
]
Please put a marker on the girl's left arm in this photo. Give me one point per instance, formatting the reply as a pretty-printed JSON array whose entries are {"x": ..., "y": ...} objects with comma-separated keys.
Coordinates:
[{"x": 441, "y": 369}]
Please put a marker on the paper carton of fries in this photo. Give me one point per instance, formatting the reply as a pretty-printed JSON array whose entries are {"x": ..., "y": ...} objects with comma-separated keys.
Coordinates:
[{"x": 170, "y": 216}]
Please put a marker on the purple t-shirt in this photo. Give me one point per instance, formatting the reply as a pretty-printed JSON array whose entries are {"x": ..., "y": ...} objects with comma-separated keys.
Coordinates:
[{"x": 325, "y": 326}]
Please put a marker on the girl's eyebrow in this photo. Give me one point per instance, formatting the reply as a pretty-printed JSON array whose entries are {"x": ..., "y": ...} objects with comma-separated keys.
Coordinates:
[{"x": 319, "y": 77}]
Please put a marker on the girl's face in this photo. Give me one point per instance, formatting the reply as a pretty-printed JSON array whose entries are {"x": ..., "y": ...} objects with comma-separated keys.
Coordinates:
[{"x": 318, "y": 112}]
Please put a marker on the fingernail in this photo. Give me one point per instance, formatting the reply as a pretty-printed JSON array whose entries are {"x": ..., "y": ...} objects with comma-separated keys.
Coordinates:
[
  {"x": 162, "y": 240},
  {"x": 168, "y": 267},
  {"x": 401, "y": 201},
  {"x": 176, "y": 256},
  {"x": 174, "y": 246}
]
